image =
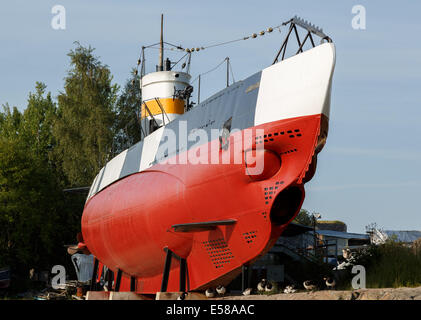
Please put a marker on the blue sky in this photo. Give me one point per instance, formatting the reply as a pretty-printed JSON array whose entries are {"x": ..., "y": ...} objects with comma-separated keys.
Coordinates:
[{"x": 369, "y": 170}]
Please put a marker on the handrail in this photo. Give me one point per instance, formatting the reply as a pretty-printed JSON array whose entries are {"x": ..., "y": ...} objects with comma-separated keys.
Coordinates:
[
  {"x": 150, "y": 113},
  {"x": 162, "y": 110}
]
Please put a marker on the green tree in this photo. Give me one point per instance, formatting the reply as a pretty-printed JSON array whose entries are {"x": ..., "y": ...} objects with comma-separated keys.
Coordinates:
[
  {"x": 27, "y": 195},
  {"x": 127, "y": 125},
  {"x": 304, "y": 217},
  {"x": 10, "y": 122},
  {"x": 51, "y": 146},
  {"x": 37, "y": 219},
  {"x": 85, "y": 117},
  {"x": 37, "y": 122}
]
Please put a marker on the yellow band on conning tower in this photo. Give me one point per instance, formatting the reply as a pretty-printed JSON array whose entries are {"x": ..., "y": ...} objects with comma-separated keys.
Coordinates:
[{"x": 175, "y": 106}]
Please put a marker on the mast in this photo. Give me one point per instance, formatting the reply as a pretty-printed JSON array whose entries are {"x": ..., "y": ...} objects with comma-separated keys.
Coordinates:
[{"x": 161, "y": 46}]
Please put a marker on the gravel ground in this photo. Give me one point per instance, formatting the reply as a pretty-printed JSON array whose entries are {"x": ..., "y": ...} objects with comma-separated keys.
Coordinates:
[{"x": 362, "y": 294}]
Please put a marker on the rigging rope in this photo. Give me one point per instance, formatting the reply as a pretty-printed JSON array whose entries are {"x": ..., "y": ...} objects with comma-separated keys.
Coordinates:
[
  {"x": 253, "y": 36},
  {"x": 213, "y": 69},
  {"x": 195, "y": 49},
  {"x": 191, "y": 50}
]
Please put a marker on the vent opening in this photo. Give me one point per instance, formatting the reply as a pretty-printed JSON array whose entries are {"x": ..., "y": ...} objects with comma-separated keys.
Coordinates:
[{"x": 286, "y": 205}]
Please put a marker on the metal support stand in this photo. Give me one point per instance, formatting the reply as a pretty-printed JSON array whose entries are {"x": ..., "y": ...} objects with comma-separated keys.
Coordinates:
[
  {"x": 118, "y": 281},
  {"x": 245, "y": 283},
  {"x": 110, "y": 280},
  {"x": 133, "y": 284},
  {"x": 167, "y": 268},
  {"x": 94, "y": 275},
  {"x": 228, "y": 73},
  {"x": 198, "y": 92},
  {"x": 182, "y": 275},
  {"x": 166, "y": 273}
]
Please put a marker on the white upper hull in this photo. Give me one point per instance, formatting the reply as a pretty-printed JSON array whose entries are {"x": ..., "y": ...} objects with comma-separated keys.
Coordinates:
[{"x": 298, "y": 86}]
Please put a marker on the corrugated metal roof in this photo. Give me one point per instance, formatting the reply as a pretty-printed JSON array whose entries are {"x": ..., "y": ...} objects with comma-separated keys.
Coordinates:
[{"x": 343, "y": 235}]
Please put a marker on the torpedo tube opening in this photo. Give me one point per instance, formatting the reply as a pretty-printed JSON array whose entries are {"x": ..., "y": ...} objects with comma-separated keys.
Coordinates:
[{"x": 286, "y": 205}]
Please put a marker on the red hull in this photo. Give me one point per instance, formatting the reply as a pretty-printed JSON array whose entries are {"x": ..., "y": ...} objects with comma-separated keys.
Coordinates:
[{"x": 128, "y": 224}]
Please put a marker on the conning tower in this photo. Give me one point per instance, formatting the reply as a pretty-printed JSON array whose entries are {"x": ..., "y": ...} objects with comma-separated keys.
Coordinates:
[{"x": 165, "y": 93}]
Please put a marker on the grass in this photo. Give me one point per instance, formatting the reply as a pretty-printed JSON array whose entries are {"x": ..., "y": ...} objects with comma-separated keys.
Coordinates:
[{"x": 392, "y": 265}]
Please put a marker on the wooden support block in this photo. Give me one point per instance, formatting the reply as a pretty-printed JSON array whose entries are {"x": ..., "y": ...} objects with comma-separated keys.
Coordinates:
[
  {"x": 98, "y": 295},
  {"x": 126, "y": 296},
  {"x": 175, "y": 295}
]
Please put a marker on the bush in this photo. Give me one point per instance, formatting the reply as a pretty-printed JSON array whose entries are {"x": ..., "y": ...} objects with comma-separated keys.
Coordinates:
[{"x": 391, "y": 265}]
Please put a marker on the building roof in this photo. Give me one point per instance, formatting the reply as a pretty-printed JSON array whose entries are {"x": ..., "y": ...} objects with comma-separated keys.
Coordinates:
[
  {"x": 343, "y": 235},
  {"x": 294, "y": 229}
]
